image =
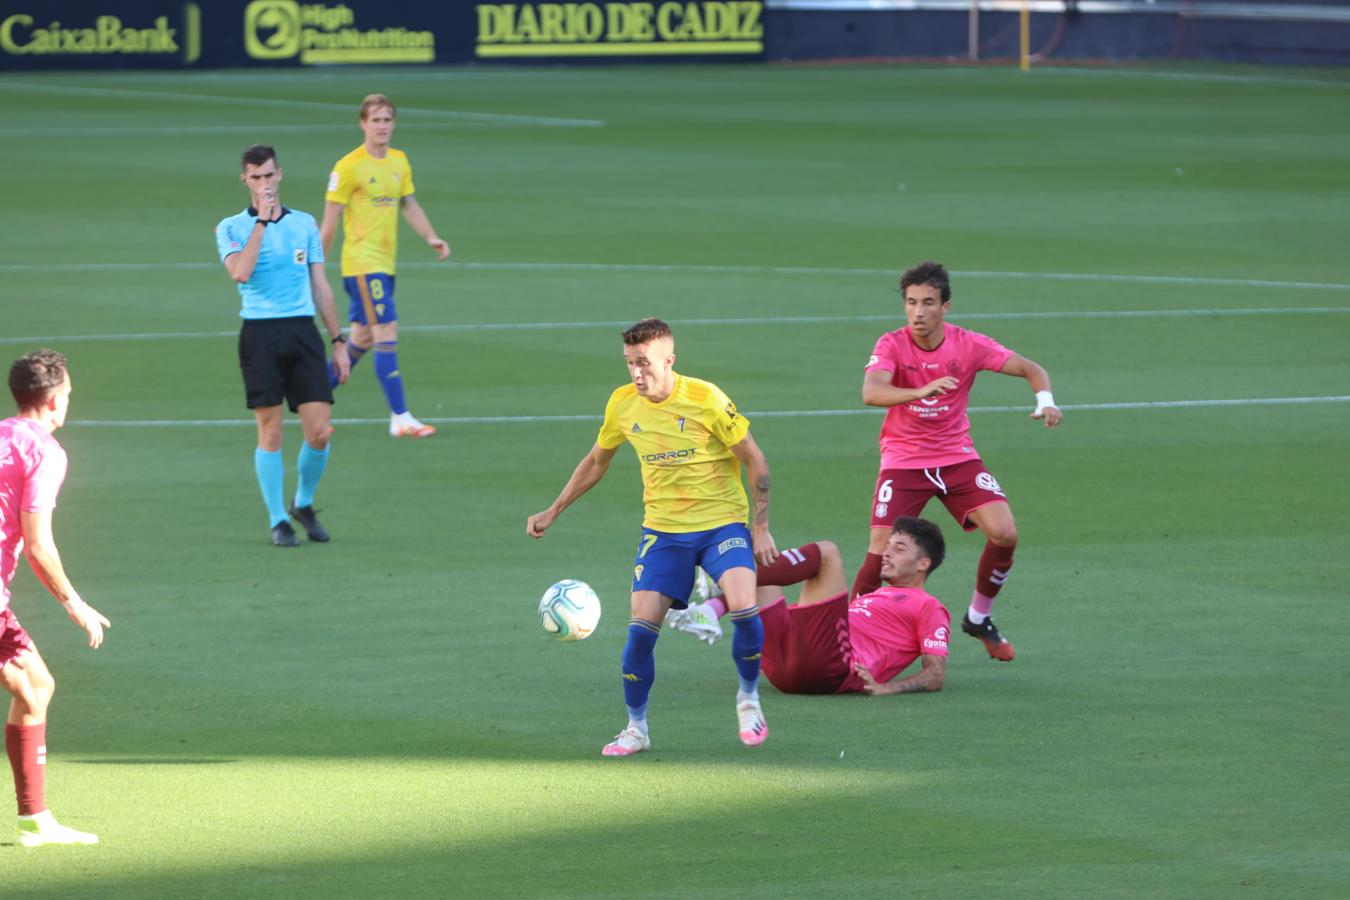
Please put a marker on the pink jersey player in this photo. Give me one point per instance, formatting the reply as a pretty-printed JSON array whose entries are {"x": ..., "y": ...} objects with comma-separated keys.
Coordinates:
[
  {"x": 32, "y": 468},
  {"x": 931, "y": 432},
  {"x": 922, "y": 374},
  {"x": 825, "y": 643}
]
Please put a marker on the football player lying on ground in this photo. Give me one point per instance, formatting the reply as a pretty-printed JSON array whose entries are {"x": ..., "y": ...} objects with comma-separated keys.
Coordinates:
[{"x": 825, "y": 644}]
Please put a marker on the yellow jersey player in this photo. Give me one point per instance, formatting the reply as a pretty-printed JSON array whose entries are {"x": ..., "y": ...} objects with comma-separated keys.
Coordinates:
[
  {"x": 691, "y": 443},
  {"x": 366, "y": 189}
]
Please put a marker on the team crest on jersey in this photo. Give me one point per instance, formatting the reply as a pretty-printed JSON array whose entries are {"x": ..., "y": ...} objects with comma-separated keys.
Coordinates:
[
  {"x": 637, "y": 572},
  {"x": 953, "y": 367},
  {"x": 873, "y": 360},
  {"x": 986, "y": 482},
  {"x": 882, "y": 508},
  {"x": 300, "y": 257}
]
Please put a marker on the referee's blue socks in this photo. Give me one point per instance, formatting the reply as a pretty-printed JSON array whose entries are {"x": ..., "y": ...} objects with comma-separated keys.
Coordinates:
[
  {"x": 639, "y": 666},
  {"x": 310, "y": 466},
  {"x": 747, "y": 645},
  {"x": 354, "y": 353},
  {"x": 386, "y": 368},
  {"x": 271, "y": 471}
]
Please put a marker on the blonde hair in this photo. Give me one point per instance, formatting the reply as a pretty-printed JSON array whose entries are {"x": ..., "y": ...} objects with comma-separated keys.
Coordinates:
[{"x": 375, "y": 101}]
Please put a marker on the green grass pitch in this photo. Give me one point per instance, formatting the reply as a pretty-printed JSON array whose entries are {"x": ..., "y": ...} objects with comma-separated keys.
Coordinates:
[{"x": 382, "y": 716}]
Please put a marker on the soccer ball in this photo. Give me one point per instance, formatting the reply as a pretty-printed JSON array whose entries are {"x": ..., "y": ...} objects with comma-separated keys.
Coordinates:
[{"x": 570, "y": 610}]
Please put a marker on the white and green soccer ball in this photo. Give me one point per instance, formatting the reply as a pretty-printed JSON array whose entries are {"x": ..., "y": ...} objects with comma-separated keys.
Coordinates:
[{"x": 570, "y": 610}]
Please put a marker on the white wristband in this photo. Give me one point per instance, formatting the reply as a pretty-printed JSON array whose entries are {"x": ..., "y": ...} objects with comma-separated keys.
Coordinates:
[{"x": 1044, "y": 399}]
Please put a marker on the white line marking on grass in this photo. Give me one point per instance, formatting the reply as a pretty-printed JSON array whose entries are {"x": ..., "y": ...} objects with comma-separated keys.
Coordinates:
[
  {"x": 676, "y": 268},
  {"x": 764, "y": 414},
  {"x": 501, "y": 118},
  {"x": 465, "y": 327},
  {"x": 718, "y": 322},
  {"x": 140, "y": 130}
]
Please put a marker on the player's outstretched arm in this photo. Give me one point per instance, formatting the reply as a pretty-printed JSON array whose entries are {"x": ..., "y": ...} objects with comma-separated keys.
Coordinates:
[
  {"x": 757, "y": 472},
  {"x": 928, "y": 680},
  {"x": 587, "y": 475},
  {"x": 877, "y": 389},
  {"x": 417, "y": 218},
  {"x": 46, "y": 562},
  {"x": 1039, "y": 379}
]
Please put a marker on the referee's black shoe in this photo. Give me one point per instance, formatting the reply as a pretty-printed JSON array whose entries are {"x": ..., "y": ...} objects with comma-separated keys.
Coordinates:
[
  {"x": 283, "y": 535},
  {"x": 313, "y": 529}
]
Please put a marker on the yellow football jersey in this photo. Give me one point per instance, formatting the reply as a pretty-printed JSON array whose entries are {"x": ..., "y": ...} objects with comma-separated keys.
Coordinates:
[
  {"x": 372, "y": 191},
  {"x": 691, "y": 479}
]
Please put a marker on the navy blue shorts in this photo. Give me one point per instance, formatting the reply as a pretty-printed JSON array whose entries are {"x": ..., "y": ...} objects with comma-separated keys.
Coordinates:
[
  {"x": 372, "y": 298},
  {"x": 665, "y": 561}
]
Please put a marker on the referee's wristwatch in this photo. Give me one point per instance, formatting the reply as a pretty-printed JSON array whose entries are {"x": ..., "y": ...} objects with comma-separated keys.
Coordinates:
[{"x": 339, "y": 338}]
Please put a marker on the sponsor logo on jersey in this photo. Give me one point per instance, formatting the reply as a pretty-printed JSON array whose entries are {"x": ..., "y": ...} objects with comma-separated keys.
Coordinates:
[
  {"x": 637, "y": 429},
  {"x": 637, "y": 572},
  {"x": 882, "y": 509},
  {"x": 333, "y": 180},
  {"x": 300, "y": 257},
  {"x": 931, "y": 644},
  {"x": 985, "y": 482},
  {"x": 873, "y": 360},
  {"x": 731, "y": 544},
  {"x": 670, "y": 455}
]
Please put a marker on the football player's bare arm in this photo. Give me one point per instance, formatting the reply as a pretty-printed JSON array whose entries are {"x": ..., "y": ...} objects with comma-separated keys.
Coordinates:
[
  {"x": 877, "y": 389},
  {"x": 587, "y": 475},
  {"x": 928, "y": 680}
]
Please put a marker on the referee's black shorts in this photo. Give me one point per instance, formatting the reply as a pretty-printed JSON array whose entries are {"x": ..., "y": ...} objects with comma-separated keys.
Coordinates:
[{"x": 283, "y": 359}]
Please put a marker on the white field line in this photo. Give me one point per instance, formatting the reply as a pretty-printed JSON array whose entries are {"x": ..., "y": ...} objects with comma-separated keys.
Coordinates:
[
  {"x": 140, "y": 130},
  {"x": 898, "y": 319},
  {"x": 677, "y": 268},
  {"x": 457, "y": 115},
  {"x": 763, "y": 414}
]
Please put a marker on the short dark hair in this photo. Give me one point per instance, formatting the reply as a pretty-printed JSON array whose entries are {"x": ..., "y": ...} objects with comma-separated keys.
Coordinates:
[
  {"x": 927, "y": 535},
  {"x": 648, "y": 329},
  {"x": 35, "y": 376},
  {"x": 256, "y": 156},
  {"x": 930, "y": 273}
]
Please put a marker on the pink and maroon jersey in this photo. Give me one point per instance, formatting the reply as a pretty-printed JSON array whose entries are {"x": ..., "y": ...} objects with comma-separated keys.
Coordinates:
[
  {"x": 32, "y": 467},
  {"x": 924, "y": 434},
  {"x": 890, "y": 628}
]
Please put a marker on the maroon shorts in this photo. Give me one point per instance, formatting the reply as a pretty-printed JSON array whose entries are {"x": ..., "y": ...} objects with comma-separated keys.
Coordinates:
[
  {"x": 806, "y": 648},
  {"x": 13, "y": 639},
  {"x": 963, "y": 488}
]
